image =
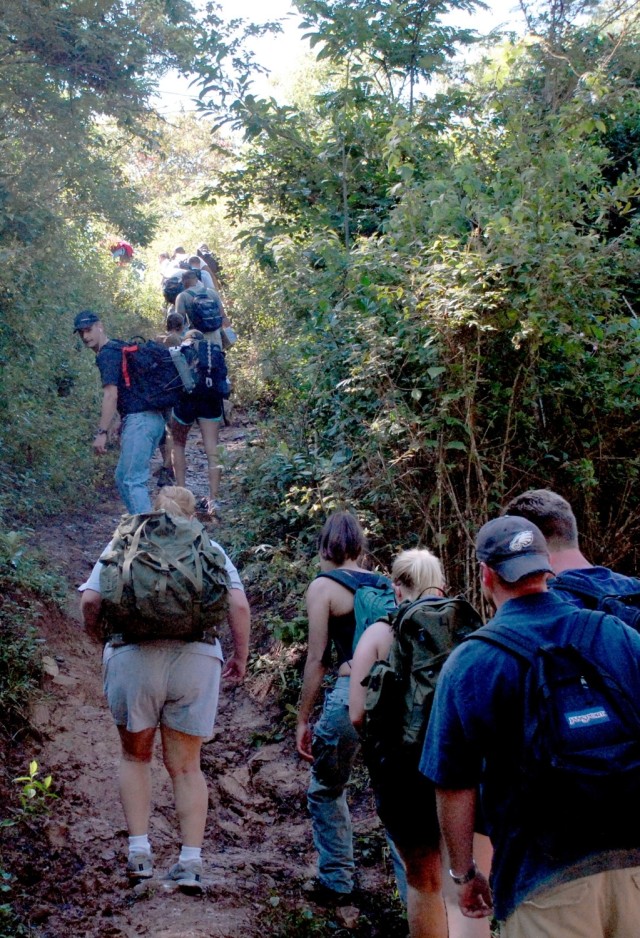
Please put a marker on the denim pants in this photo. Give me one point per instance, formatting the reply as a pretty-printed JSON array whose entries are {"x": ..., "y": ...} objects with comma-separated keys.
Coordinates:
[
  {"x": 139, "y": 438},
  {"x": 335, "y": 746}
]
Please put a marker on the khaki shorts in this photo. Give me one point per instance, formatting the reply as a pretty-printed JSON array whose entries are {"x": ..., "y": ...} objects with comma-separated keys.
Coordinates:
[
  {"x": 172, "y": 683},
  {"x": 604, "y": 905}
]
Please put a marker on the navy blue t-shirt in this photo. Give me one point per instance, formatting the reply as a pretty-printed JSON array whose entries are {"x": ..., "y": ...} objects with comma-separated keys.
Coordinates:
[
  {"x": 109, "y": 362},
  {"x": 475, "y": 735}
]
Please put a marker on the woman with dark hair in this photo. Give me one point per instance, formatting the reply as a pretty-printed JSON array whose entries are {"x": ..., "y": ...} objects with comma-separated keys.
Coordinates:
[{"x": 332, "y": 748}]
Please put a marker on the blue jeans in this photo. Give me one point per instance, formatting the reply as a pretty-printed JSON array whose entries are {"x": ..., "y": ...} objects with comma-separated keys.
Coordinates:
[
  {"x": 335, "y": 746},
  {"x": 139, "y": 439}
]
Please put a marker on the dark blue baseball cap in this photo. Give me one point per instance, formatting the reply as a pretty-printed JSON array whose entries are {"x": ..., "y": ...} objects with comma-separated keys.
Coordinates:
[
  {"x": 513, "y": 547},
  {"x": 84, "y": 320}
]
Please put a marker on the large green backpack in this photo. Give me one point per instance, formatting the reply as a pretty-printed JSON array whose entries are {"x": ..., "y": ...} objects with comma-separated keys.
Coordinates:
[
  {"x": 400, "y": 689},
  {"x": 162, "y": 578}
]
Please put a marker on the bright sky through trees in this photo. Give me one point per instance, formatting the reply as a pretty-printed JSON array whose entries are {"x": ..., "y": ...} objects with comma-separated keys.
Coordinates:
[{"x": 281, "y": 53}]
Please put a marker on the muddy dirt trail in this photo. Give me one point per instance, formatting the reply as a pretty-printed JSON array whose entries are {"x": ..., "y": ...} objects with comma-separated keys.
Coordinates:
[{"x": 257, "y": 853}]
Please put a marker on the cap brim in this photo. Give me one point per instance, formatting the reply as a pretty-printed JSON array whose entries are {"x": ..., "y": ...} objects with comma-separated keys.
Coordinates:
[{"x": 515, "y": 568}]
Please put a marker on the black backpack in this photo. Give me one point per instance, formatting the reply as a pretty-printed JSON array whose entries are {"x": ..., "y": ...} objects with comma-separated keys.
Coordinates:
[
  {"x": 205, "y": 313},
  {"x": 171, "y": 287},
  {"x": 624, "y": 605},
  {"x": 400, "y": 690},
  {"x": 211, "y": 370},
  {"x": 580, "y": 758},
  {"x": 149, "y": 369}
]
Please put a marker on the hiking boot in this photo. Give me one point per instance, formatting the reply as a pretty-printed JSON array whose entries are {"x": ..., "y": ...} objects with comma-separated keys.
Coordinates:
[
  {"x": 188, "y": 876},
  {"x": 140, "y": 866},
  {"x": 323, "y": 895}
]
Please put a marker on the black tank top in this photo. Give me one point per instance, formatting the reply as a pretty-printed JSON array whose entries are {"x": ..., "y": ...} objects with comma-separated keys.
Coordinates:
[{"x": 342, "y": 628}]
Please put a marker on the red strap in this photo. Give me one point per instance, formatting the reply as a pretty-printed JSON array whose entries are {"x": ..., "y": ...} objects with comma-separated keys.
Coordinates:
[{"x": 125, "y": 363}]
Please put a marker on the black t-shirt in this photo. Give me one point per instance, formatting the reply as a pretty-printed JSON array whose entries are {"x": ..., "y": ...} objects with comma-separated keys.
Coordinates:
[{"x": 109, "y": 362}]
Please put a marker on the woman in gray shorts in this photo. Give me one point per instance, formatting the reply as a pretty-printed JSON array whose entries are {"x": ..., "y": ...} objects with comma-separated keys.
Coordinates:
[{"x": 174, "y": 685}]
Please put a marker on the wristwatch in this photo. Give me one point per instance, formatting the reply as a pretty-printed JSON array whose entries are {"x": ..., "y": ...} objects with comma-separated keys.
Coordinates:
[
  {"x": 465, "y": 878},
  {"x": 100, "y": 432}
]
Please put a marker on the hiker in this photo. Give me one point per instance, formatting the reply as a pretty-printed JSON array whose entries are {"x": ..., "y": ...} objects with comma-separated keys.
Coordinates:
[
  {"x": 211, "y": 261},
  {"x": 171, "y": 338},
  {"x": 206, "y": 277},
  {"x": 576, "y": 580},
  {"x": 174, "y": 331},
  {"x": 204, "y": 406},
  {"x": 405, "y": 799},
  {"x": 332, "y": 748},
  {"x": 558, "y": 772},
  {"x": 193, "y": 288},
  {"x": 173, "y": 684},
  {"x": 141, "y": 428}
]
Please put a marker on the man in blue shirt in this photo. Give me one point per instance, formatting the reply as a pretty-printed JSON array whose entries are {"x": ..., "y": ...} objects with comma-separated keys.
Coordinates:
[
  {"x": 141, "y": 429},
  {"x": 573, "y": 572},
  {"x": 541, "y": 884}
]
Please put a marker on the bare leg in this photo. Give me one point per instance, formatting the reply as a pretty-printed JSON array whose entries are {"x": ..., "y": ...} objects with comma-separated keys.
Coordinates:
[
  {"x": 209, "y": 430},
  {"x": 426, "y": 913},
  {"x": 179, "y": 463},
  {"x": 134, "y": 778},
  {"x": 459, "y": 925},
  {"x": 181, "y": 754}
]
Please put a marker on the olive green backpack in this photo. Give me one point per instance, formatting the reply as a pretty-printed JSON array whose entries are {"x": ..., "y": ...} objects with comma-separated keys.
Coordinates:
[
  {"x": 400, "y": 689},
  {"x": 162, "y": 578}
]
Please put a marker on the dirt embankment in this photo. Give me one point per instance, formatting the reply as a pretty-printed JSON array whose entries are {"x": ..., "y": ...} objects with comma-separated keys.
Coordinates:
[{"x": 69, "y": 867}]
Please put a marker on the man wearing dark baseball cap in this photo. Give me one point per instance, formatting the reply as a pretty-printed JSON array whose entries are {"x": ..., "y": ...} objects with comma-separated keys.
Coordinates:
[
  {"x": 513, "y": 548},
  {"x": 141, "y": 428},
  {"x": 557, "y": 870}
]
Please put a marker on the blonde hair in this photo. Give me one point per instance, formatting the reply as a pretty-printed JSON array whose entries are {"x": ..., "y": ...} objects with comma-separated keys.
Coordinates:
[
  {"x": 419, "y": 571},
  {"x": 175, "y": 501}
]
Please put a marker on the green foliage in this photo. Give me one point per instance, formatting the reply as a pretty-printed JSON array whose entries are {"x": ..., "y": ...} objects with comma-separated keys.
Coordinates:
[
  {"x": 481, "y": 337},
  {"x": 34, "y": 793},
  {"x": 24, "y": 579}
]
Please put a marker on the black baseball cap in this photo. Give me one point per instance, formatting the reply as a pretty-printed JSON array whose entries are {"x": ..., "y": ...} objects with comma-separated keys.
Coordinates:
[
  {"x": 84, "y": 320},
  {"x": 513, "y": 547}
]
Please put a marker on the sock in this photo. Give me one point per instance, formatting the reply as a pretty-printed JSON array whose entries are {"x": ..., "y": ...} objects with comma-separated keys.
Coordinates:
[
  {"x": 140, "y": 844},
  {"x": 189, "y": 853}
]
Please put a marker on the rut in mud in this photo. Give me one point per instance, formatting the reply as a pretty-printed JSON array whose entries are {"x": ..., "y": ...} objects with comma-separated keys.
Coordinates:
[{"x": 258, "y": 853}]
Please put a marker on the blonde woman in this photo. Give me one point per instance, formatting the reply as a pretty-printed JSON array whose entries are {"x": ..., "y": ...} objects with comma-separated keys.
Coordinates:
[{"x": 405, "y": 799}]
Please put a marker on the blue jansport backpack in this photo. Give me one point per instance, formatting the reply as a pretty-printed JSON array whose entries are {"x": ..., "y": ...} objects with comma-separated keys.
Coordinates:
[
  {"x": 371, "y": 601},
  {"x": 622, "y": 602},
  {"x": 580, "y": 759}
]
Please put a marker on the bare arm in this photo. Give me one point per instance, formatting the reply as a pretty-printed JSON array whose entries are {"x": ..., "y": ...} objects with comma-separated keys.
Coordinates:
[
  {"x": 318, "y": 608},
  {"x": 374, "y": 644},
  {"x": 107, "y": 413},
  {"x": 90, "y": 608},
  {"x": 240, "y": 625},
  {"x": 456, "y": 814}
]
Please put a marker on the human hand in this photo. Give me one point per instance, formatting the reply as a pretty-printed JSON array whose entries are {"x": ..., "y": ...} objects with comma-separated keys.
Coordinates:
[
  {"x": 474, "y": 898},
  {"x": 234, "y": 670},
  {"x": 100, "y": 443},
  {"x": 303, "y": 741}
]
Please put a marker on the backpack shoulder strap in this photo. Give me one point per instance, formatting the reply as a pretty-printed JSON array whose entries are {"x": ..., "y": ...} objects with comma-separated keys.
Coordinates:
[
  {"x": 508, "y": 639},
  {"x": 573, "y": 582},
  {"x": 341, "y": 577}
]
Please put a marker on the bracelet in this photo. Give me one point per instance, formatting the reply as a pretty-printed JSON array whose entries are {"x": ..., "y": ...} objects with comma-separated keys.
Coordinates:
[
  {"x": 100, "y": 432},
  {"x": 471, "y": 873}
]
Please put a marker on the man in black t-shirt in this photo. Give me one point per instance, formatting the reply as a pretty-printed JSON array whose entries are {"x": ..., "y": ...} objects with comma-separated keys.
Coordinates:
[{"x": 141, "y": 429}]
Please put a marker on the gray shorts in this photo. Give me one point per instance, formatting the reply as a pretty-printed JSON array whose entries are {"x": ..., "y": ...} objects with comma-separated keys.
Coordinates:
[{"x": 172, "y": 683}]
